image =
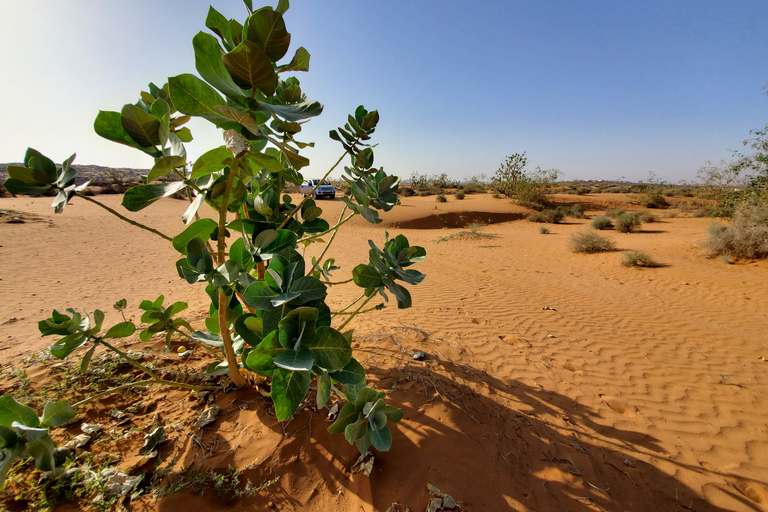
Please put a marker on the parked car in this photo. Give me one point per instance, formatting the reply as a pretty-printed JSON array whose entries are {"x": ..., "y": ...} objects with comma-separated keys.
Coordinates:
[{"x": 325, "y": 189}]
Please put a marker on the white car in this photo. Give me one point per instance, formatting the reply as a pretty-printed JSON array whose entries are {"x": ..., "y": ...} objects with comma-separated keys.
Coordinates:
[{"x": 325, "y": 189}]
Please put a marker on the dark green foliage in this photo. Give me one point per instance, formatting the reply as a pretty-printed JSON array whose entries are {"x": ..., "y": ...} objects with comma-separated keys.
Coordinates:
[{"x": 459, "y": 194}]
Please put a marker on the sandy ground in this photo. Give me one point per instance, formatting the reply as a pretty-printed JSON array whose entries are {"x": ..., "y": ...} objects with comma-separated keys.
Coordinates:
[{"x": 554, "y": 381}]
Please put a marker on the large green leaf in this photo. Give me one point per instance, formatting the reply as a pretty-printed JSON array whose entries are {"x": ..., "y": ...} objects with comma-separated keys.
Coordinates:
[
  {"x": 68, "y": 344},
  {"x": 210, "y": 162},
  {"x": 330, "y": 349},
  {"x": 250, "y": 67},
  {"x": 15, "y": 187},
  {"x": 194, "y": 97},
  {"x": 366, "y": 276},
  {"x": 36, "y": 160},
  {"x": 266, "y": 28},
  {"x": 198, "y": 256},
  {"x": 30, "y": 176},
  {"x": 300, "y": 62},
  {"x": 201, "y": 228},
  {"x": 310, "y": 288},
  {"x": 164, "y": 166},
  {"x": 259, "y": 295},
  {"x": 261, "y": 359},
  {"x": 220, "y": 26},
  {"x": 56, "y": 413},
  {"x": 249, "y": 326},
  {"x": 323, "y": 390},
  {"x": 141, "y": 126},
  {"x": 41, "y": 450},
  {"x": 347, "y": 416},
  {"x": 295, "y": 112},
  {"x": 141, "y": 196},
  {"x": 267, "y": 162},
  {"x": 288, "y": 391},
  {"x": 121, "y": 330},
  {"x": 381, "y": 438},
  {"x": 109, "y": 125},
  {"x": 296, "y": 360},
  {"x": 242, "y": 117},
  {"x": 352, "y": 375},
  {"x": 210, "y": 66},
  {"x": 11, "y": 410}
]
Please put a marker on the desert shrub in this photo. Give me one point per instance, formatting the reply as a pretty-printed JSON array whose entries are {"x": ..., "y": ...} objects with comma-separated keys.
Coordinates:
[
  {"x": 602, "y": 222},
  {"x": 525, "y": 186},
  {"x": 496, "y": 195},
  {"x": 646, "y": 217},
  {"x": 550, "y": 216},
  {"x": 543, "y": 231},
  {"x": 653, "y": 200},
  {"x": 583, "y": 191},
  {"x": 407, "y": 192},
  {"x": 576, "y": 211},
  {"x": 627, "y": 223},
  {"x": 459, "y": 194},
  {"x": 590, "y": 242},
  {"x": 440, "y": 198},
  {"x": 637, "y": 259},
  {"x": 613, "y": 213},
  {"x": 672, "y": 215},
  {"x": 704, "y": 211},
  {"x": 746, "y": 236}
]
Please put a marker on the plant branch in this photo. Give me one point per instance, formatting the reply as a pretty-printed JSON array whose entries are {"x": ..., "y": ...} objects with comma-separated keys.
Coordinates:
[
  {"x": 229, "y": 351},
  {"x": 123, "y": 217},
  {"x": 328, "y": 244},
  {"x": 113, "y": 390},
  {"x": 359, "y": 310}
]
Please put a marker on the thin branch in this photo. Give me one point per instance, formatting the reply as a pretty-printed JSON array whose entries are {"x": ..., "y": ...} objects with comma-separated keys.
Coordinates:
[
  {"x": 328, "y": 243},
  {"x": 123, "y": 217}
]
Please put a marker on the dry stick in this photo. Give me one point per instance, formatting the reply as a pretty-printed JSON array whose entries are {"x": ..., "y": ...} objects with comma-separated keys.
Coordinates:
[
  {"x": 126, "y": 219},
  {"x": 234, "y": 374},
  {"x": 330, "y": 241}
]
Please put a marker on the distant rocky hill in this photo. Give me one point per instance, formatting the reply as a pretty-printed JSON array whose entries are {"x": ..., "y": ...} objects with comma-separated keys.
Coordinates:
[{"x": 96, "y": 173}]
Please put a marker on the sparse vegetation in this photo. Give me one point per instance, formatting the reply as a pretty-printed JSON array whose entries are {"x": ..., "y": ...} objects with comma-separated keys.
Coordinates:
[
  {"x": 548, "y": 216},
  {"x": 590, "y": 242},
  {"x": 602, "y": 222},
  {"x": 745, "y": 237},
  {"x": 527, "y": 188},
  {"x": 543, "y": 231},
  {"x": 637, "y": 259},
  {"x": 613, "y": 213},
  {"x": 627, "y": 223},
  {"x": 440, "y": 198}
]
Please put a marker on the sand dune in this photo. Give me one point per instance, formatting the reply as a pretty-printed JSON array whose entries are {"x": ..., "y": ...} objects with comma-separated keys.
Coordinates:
[{"x": 553, "y": 380}]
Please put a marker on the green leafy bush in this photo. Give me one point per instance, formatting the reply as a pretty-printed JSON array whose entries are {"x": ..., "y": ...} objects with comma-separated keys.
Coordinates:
[
  {"x": 440, "y": 198},
  {"x": 268, "y": 311},
  {"x": 637, "y": 259},
  {"x": 590, "y": 242},
  {"x": 543, "y": 231},
  {"x": 627, "y": 223},
  {"x": 602, "y": 222},
  {"x": 459, "y": 194},
  {"x": 527, "y": 187}
]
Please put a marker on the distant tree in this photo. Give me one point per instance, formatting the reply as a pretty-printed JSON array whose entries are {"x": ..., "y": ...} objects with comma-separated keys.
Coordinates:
[{"x": 526, "y": 187}]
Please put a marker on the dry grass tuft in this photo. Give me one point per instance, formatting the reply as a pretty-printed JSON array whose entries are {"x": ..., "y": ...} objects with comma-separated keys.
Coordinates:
[{"x": 590, "y": 242}]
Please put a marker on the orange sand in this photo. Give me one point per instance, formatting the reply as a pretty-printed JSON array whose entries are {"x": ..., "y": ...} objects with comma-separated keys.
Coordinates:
[{"x": 639, "y": 390}]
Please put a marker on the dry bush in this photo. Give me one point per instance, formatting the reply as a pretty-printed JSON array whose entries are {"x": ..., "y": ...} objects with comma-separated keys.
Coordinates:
[
  {"x": 459, "y": 194},
  {"x": 550, "y": 216},
  {"x": 746, "y": 237},
  {"x": 602, "y": 222},
  {"x": 646, "y": 217},
  {"x": 407, "y": 192},
  {"x": 589, "y": 242},
  {"x": 543, "y": 231},
  {"x": 613, "y": 213},
  {"x": 637, "y": 259},
  {"x": 440, "y": 198},
  {"x": 627, "y": 223}
]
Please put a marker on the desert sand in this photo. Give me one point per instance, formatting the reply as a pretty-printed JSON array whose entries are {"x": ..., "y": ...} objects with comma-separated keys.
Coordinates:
[{"x": 553, "y": 381}]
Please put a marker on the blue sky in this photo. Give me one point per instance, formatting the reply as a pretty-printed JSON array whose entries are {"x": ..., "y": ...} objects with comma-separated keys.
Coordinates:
[{"x": 597, "y": 89}]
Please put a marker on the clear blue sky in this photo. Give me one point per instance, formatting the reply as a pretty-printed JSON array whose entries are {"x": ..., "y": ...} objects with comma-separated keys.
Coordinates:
[{"x": 598, "y": 89}]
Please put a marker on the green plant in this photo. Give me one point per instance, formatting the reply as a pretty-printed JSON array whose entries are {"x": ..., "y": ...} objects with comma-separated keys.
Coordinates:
[
  {"x": 590, "y": 242},
  {"x": 646, "y": 217},
  {"x": 363, "y": 420},
  {"x": 613, "y": 213},
  {"x": 637, "y": 259},
  {"x": 543, "y": 231},
  {"x": 602, "y": 222},
  {"x": 627, "y": 223},
  {"x": 440, "y": 198},
  {"x": 267, "y": 312},
  {"x": 23, "y": 434},
  {"x": 526, "y": 186},
  {"x": 459, "y": 194}
]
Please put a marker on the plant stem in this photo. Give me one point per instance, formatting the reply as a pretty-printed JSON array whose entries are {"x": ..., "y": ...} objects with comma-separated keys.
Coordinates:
[
  {"x": 353, "y": 315},
  {"x": 146, "y": 370},
  {"x": 341, "y": 282},
  {"x": 349, "y": 305},
  {"x": 113, "y": 390},
  {"x": 234, "y": 372},
  {"x": 328, "y": 244},
  {"x": 123, "y": 217},
  {"x": 374, "y": 308},
  {"x": 338, "y": 225}
]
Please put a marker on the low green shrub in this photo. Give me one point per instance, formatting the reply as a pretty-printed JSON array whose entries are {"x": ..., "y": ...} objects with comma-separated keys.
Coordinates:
[
  {"x": 602, "y": 222},
  {"x": 590, "y": 242},
  {"x": 459, "y": 194},
  {"x": 440, "y": 198},
  {"x": 627, "y": 223},
  {"x": 637, "y": 259},
  {"x": 543, "y": 231},
  {"x": 407, "y": 192},
  {"x": 646, "y": 217},
  {"x": 613, "y": 213}
]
